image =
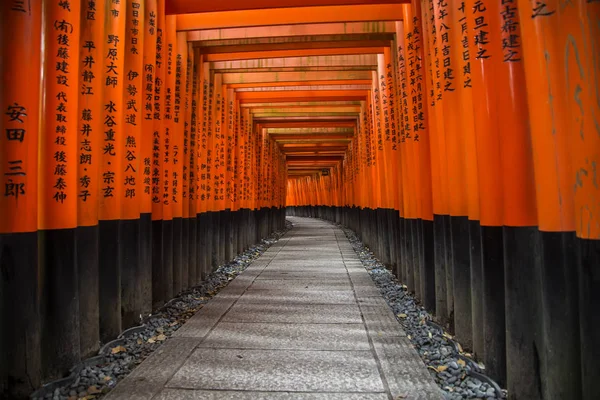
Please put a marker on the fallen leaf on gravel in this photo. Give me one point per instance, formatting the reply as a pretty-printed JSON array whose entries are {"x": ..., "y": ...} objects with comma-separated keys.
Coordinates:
[
  {"x": 161, "y": 337},
  {"x": 107, "y": 378},
  {"x": 430, "y": 335},
  {"x": 152, "y": 340},
  {"x": 118, "y": 349},
  {"x": 460, "y": 349},
  {"x": 93, "y": 390},
  {"x": 140, "y": 341},
  {"x": 441, "y": 368},
  {"x": 402, "y": 315},
  {"x": 461, "y": 362}
]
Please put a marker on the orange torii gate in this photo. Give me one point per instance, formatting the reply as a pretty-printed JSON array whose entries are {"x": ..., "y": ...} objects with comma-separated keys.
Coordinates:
[{"x": 150, "y": 141}]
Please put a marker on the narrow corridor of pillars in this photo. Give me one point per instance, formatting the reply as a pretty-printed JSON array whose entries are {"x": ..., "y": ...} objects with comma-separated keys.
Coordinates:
[
  {"x": 304, "y": 319},
  {"x": 140, "y": 150}
]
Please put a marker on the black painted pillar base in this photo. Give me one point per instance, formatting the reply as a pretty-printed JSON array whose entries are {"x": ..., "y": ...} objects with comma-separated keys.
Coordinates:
[
  {"x": 235, "y": 225},
  {"x": 110, "y": 279},
  {"x": 202, "y": 258},
  {"x": 223, "y": 228},
  {"x": 449, "y": 273},
  {"x": 130, "y": 273},
  {"x": 89, "y": 304},
  {"x": 216, "y": 240},
  {"x": 562, "y": 372},
  {"x": 493, "y": 313},
  {"x": 185, "y": 254},
  {"x": 409, "y": 257},
  {"x": 476, "y": 288},
  {"x": 146, "y": 262},
  {"x": 229, "y": 249},
  {"x": 588, "y": 255},
  {"x": 177, "y": 246},
  {"x": 20, "y": 332},
  {"x": 158, "y": 280},
  {"x": 524, "y": 345},
  {"x": 391, "y": 234},
  {"x": 194, "y": 244},
  {"x": 399, "y": 249},
  {"x": 428, "y": 267},
  {"x": 417, "y": 256},
  {"x": 168, "y": 259},
  {"x": 60, "y": 302},
  {"x": 461, "y": 272}
]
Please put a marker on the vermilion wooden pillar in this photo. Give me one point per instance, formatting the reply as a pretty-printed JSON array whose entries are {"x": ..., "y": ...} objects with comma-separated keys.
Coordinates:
[{"x": 20, "y": 41}]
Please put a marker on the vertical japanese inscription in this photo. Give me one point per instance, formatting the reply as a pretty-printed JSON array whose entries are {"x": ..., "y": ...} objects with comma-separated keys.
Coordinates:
[
  {"x": 59, "y": 143},
  {"x": 111, "y": 174},
  {"x": 134, "y": 64},
  {"x": 146, "y": 110},
  {"x": 90, "y": 108}
]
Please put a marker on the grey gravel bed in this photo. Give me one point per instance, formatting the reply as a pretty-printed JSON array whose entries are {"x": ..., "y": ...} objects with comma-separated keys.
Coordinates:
[
  {"x": 455, "y": 372},
  {"x": 97, "y": 376}
]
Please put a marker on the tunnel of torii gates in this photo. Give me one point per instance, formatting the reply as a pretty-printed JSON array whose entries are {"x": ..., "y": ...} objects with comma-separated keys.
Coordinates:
[{"x": 144, "y": 143}]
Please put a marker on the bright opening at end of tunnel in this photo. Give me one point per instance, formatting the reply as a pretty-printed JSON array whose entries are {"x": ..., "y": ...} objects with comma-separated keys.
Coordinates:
[{"x": 150, "y": 151}]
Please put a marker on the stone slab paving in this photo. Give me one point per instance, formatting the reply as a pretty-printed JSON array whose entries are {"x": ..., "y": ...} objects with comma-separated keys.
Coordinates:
[{"x": 304, "y": 321}]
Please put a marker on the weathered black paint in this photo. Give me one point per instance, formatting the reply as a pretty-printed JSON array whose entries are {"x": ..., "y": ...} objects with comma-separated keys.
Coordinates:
[
  {"x": 588, "y": 257},
  {"x": 177, "y": 246},
  {"x": 216, "y": 240},
  {"x": 210, "y": 244},
  {"x": 494, "y": 335},
  {"x": 110, "y": 279},
  {"x": 428, "y": 268},
  {"x": 145, "y": 264},
  {"x": 158, "y": 281},
  {"x": 59, "y": 302},
  {"x": 130, "y": 273},
  {"x": 185, "y": 253},
  {"x": 168, "y": 259},
  {"x": 476, "y": 288},
  {"x": 401, "y": 274},
  {"x": 409, "y": 268},
  {"x": 461, "y": 273},
  {"x": 416, "y": 260},
  {"x": 524, "y": 345},
  {"x": 193, "y": 245},
  {"x": 439, "y": 251},
  {"x": 561, "y": 369},
  {"x": 449, "y": 273},
  {"x": 20, "y": 335},
  {"x": 227, "y": 236},
  {"x": 89, "y": 301}
]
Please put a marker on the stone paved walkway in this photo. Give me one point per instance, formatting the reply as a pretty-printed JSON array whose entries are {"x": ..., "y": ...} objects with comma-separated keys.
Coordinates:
[{"x": 304, "y": 321}]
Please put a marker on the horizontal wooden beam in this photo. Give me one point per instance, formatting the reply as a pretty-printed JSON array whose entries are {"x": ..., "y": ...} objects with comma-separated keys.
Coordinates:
[
  {"x": 272, "y": 111},
  {"x": 303, "y": 104},
  {"x": 310, "y": 130},
  {"x": 298, "y": 30},
  {"x": 295, "y": 45},
  {"x": 285, "y": 16},
  {"x": 345, "y": 61},
  {"x": 303, "y": 87},
  {"x": 266, "y": 54},
  {"x": 196, "y": 6},
  {"x": 321, "y": 95},
  {"x": 254, "y": 79}
]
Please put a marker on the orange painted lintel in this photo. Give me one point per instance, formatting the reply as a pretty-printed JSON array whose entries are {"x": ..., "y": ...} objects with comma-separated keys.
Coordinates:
[
  {"x": 337, "y": 28},
  {"x": 286, "y": 16},
  {"x": 265, "y": 54}
]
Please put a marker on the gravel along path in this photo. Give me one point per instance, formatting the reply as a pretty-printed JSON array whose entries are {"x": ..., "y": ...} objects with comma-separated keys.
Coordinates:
[
  {"x": 97, "y": 376},
  {"x": 454, "y": 371}
]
